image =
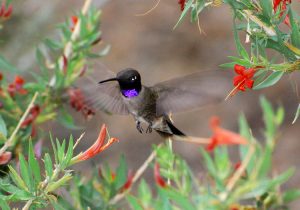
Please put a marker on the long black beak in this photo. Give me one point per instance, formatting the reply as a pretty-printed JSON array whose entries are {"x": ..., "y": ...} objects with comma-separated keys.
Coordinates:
[{"x": 108, "y": 80}]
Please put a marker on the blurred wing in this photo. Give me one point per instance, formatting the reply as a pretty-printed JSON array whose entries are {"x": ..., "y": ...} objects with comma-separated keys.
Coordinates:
[
  {"x": 105, "y": 97},
  {"x": 191, "y": 91}
]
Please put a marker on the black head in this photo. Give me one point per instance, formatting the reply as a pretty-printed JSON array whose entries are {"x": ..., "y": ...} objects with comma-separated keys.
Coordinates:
[{"x": 129, "y": 79}]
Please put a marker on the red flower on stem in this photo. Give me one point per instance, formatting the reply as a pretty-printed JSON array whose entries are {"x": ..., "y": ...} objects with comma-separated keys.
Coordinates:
[
  {"x": 5, "y": 12},
  {"x": 244, "y": 79},
  {"x": 222, "y": 136},
  {"x": 158, "y": 179},
  {"x": 5, "y": 158},
  {"x": 74, "y": 21},
  {"x": 78, "y": 102},
  {"x": 17, "y": 87},
  {"x": 182, "y": 4},
  {"x": 128, "y": 182},
  {"x": 97, "y": 147},
  {"x": 283, "y": 3},
  {"x": 33, "y": 114}
]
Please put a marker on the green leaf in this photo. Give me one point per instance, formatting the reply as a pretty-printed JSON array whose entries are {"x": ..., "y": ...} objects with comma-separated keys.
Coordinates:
[
  {"x": 295, "y": 35},
  {"x": 272, "y": 79},
  {"x": 17, "y": 179},
  {"x": 290, "y": 196},
  {"x": 268, "y": 114},
  {"x": 144, "y": 193},
  {"x": 6, "y": 66},
  {"x": 228, "y": 65},
  {"x": 266, "y": 8},
  {"x": 222, "y": 162},
  {"x": 48, "y": 165},
  {"x": 282, "y": 178},
  {"x": 3, "y": 129},
  {"x": 134, "y": 203},
  {"x": 266, "y": 161},
  {"x": 297, "y": 114},
  {"x": 178, "y": 198},
  {"x": 61, "y": 150},
  {"x": 246, "y": 132},
  {"x": 69, "y": 153},
  {"x": 121, "y": 175},
  {"x": 33, "y": 164},
  {"x": 25, "y": 172},
  {"x": 241, "y": 50},
  {"x": 209, "y": 163},
  {"x": 4, "y": 205},
  {"x": 54, "y": 149},
  {"x": 58, "y": 183},
  {"x": 279, "y": 116},
  {"x": 187, "y": 6}
]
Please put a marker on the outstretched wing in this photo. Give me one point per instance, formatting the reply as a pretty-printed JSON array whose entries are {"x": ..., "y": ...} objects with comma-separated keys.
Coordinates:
[
  {"x": 191, "y": 91},
  {"x": 105, "y": 97}
]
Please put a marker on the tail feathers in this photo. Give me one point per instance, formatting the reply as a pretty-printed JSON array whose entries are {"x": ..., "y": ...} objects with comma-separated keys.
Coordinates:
[{"x": 174, "y": 130}]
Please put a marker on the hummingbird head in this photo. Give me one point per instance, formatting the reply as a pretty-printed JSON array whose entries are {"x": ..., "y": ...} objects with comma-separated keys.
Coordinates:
[{"x": 129, "y": 81}]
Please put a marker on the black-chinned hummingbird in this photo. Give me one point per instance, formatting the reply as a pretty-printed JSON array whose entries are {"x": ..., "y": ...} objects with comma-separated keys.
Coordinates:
[{"x": 153, "y": 104}]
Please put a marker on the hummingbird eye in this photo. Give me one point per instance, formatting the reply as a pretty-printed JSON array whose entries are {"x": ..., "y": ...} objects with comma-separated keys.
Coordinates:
[{"x": 133, "y": 78}]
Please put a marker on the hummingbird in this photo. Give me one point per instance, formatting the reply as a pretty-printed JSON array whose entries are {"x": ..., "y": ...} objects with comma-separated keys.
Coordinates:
[{"x": 152, "y": 105}]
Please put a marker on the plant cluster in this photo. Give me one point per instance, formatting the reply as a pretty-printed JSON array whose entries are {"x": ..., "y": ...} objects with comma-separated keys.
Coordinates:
[{"x": 35, "y": 178}]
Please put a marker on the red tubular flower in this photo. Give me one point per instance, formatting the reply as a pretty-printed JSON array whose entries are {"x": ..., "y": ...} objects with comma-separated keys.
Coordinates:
[
  {"x": 17, "y": 87},
  {"x": 182, "y": 4},
  {"x": 8, "y": 12},
  {"x": 244, "y": 79},
  {"x": 33, "y": 114},
  {"x": 128, "y": 182},
  {"x": 283, "y": 3},
  {"x": 74, "y": 20},
  {"x": 1, "y": 76},
  {"x": 98, "y": 146},
  {"x": 65, "y": 64},
  {"x": 5, "y": 12},
  {"x": 78, "y": 102},
  {"x": 5, "y": 158},
  {"x": 222, "y": 136},
  {"x": 158, "y": 179}
]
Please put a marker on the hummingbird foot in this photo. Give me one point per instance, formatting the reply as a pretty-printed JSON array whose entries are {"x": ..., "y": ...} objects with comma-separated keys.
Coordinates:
[
  {"x": 139, "y": 127},
  {"x": 149, "y": 129}
]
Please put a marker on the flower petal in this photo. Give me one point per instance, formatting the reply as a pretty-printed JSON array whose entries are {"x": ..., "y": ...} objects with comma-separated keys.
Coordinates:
[
  {"x": 5, "y": 158},
  {"x": 158, "y": 179},
  {"x": 239, "y": 69}
]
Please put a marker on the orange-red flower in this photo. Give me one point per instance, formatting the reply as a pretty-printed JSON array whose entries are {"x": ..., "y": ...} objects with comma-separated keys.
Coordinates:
[
  {"x": 5, "y": 12},
  {"x": 33, "y": 114},
  {"x": 5, "y": 158},
  {"x": 158, "y": 179},
  {"x": 283, "y": 3},
  {"x": 97, "y": 147},
  {"x": 244, "y": 79},
  {"x": 222, "y": 136},
  {"x": 182, "y": 4},
  {"x": 74, "y": 20},
  {"x": 128, "y": 182},
  {"x": 17, "y": 87}
]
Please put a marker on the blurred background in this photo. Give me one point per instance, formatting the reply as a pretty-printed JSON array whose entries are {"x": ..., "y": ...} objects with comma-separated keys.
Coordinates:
[{"x": 149, "y": 43}]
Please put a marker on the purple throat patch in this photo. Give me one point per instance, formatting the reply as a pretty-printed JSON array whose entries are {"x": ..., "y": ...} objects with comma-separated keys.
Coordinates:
[{"x": 130, "y": 93}]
